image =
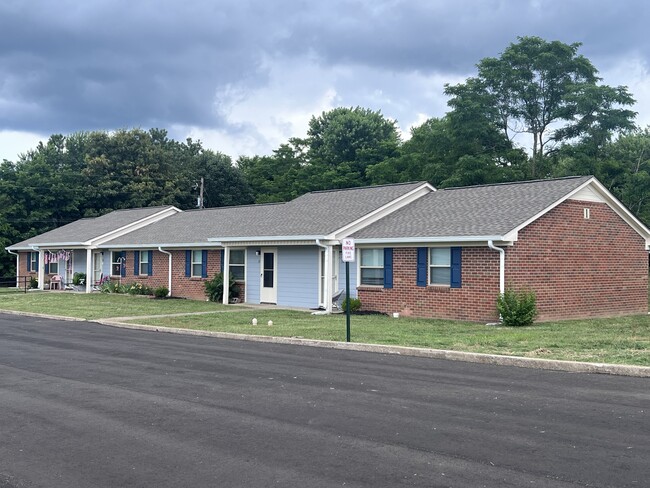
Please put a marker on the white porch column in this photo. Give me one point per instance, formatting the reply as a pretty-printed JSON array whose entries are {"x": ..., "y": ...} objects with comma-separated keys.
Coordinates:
[
  {"x": 226, "y": 275},
  {"x": 327, "y": 292},
  {"x": 89, "y": 269},
  {"x": 41, "y": 269}
]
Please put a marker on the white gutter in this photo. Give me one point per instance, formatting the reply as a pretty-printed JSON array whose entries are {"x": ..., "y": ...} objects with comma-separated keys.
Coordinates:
[
  {"x": 502, "y": 266},
  {"x": 17, "y": 266},
  {"x": 169, "y": 267},
  {"x": 423, "y": 239},
  {"x": 264, "y": 238}
]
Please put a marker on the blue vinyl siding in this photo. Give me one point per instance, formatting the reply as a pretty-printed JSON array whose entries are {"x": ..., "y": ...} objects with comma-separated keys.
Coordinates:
[
  {"x": 79, "y": 261},
  {"x": 298, "y": 276},
  {"x": 252, "y": 276}
]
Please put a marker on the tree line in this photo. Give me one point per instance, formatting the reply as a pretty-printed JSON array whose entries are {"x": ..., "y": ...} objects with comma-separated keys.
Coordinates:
[{"x": 539, "y": 110}]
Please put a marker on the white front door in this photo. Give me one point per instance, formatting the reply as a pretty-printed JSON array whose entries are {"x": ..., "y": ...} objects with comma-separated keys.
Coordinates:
[
  {"x": 269, "y": 276},
  {"x": 98, "y": 266},
  {"x": 335, "y": 276}
]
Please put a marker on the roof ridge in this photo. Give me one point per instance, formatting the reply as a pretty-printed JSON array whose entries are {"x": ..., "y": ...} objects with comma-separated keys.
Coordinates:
[
  {"x": 269, "y": 204},
  {"x": 521, "y": 182},
  {"x": 366, "y": 187},
  {"x": 136, "y": 208}
]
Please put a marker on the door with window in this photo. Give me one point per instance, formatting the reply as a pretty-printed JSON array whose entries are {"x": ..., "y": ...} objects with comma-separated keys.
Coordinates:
[
  {"x": 269, "y": 276},
  {"x": 98, "y": 266},
  {"x": 322, "y": 299}
]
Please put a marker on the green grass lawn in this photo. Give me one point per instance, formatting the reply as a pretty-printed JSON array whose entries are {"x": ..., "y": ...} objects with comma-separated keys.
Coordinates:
[
  {"x": 98, "y": 305},
  {"x": 624, "y": 340}
]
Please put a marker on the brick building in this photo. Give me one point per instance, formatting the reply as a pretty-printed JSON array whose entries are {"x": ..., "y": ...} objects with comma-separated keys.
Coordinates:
[{"x": 419, "y": 252}]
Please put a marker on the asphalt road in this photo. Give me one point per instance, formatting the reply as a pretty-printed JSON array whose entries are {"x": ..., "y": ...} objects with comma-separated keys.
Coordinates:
[{"x": 84, "y": 405}]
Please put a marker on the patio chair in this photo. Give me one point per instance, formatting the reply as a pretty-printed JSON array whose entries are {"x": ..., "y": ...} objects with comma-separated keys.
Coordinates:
[
  {"x": 337, "y": 298},
  {"x": 55, "y": 283}
]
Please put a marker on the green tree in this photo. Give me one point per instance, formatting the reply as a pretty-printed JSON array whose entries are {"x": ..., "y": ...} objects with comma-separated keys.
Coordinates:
[{"x": 545, "y": 89}]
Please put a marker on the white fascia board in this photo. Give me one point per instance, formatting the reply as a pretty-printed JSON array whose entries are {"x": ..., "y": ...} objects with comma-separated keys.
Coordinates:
[
  {"x": 264, "y": 238},
  {"x": 382, "y": 211},
  {"x": 50, "y": 245},
  {"x": 431, "y": 240},
  {"x": 197, "y": 245},
  {"x": 138, "y": 224}
]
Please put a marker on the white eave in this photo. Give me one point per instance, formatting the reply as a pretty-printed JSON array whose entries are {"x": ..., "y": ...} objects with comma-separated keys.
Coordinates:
[{"x": 433, "y": 240}]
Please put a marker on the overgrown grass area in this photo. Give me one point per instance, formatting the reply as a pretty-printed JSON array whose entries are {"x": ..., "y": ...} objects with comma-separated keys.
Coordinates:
[
  {"x": 99, "y": 305},
  {"x": 623, "y": 340}
]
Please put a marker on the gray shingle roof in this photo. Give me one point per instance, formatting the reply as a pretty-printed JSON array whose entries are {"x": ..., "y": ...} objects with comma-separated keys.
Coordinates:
[
  {"x": 84, "y": 230},
  {"x": 312, "y": 214},
  {"x": 490, "y": 210}
]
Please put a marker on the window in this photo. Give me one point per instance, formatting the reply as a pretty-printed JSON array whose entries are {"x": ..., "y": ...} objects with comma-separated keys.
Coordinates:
[
  {"x": 33, "y": 261},
  {"x": 237, "y": 268},
  {"x": 117, "y": 261},
  {"x": 144, "y": 263},
  {"x": 197, "y": 264},
  {"x": 371, "y": 267},
  {"x": 54, "y": 267},
  {"x": 439, "y": 266}
]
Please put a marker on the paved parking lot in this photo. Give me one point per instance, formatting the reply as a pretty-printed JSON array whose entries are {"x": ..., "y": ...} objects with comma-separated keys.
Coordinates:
[{"x": 87, "y": 405}]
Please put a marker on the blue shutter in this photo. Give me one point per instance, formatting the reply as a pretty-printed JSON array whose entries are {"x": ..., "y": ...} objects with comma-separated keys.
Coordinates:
[
  {"x": 204, "y": 264},
  {"x": 456, "y": 253},
  {"x": 47, "y": 268},
  {"x": 150, "y": 270},
  {"x": 136, "y": 263},
  {"x": 123, "y": 267},
  {"x": 223, "y": 254},
  {"x": 29, "y": 262},
  {"x": 388, "y": 267},
  {"x": 188, "y": 263},
  {"x": 422, "y": 266}
]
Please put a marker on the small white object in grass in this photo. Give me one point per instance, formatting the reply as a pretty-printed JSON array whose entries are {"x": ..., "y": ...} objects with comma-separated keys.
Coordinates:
[
  {"x": 395, "y": 315},
  {"x": 254, "y": 321},
  {"x": 270, "y": 323}
]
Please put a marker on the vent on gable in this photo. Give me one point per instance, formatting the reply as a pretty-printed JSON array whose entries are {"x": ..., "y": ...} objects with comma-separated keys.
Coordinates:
[{"x": 587, "y": 213}]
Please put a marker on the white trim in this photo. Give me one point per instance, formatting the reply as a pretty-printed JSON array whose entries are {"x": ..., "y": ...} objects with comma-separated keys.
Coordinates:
[
  {"x": 169, "y": 269},
  {"x": 383, "y": 211},
  {"x": 200, "y": 245},
  {"x": 230, "y": 240},
  {"x": 424, "y": 240}
]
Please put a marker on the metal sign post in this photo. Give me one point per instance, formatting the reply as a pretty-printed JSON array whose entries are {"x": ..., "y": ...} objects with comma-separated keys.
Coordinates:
[{"x": 348, "y": 256}]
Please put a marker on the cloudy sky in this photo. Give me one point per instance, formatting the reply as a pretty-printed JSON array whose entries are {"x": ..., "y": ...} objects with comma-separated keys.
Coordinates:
[{"x": 245, "y": 75}]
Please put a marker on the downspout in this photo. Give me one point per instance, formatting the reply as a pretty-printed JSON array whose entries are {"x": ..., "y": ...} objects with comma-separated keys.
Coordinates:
[
  {"x": 17, "y": 266},
  {"x": 502, "y": 266},
  {"x": 169, "y": 268},
  {"x": 328, "y": 279}
]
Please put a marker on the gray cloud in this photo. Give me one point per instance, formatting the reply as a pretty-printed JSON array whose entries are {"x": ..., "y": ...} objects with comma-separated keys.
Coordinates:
[{"x": 67, "y": 66}]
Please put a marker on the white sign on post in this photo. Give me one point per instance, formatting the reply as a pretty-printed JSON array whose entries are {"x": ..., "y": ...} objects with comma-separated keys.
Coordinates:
[{"x": 348, "y": 250}]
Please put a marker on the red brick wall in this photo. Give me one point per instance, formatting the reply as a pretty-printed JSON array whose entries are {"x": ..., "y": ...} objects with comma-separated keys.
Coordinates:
[
  {"x": 159, "y": 269},
  {"x": 581, "y": 267},
  {"x": 474, "y": 301},
  {"x": 577, "y": 268}
]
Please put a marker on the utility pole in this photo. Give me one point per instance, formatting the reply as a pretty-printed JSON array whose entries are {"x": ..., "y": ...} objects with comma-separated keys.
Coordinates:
[{"x": 201, "y": 194}]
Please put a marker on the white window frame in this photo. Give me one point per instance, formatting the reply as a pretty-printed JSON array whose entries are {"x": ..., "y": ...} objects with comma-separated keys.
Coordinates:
[
  {"x": 145, "y": 262},
  {"x": 33, "y": 261},
  {"x": 115, "y": 260},
  {"x": 237, "y": 265},
  {"x": 362, "y": 267},
  {"x": 198, "y": 263},
  {"x": 438, "y": 266}
]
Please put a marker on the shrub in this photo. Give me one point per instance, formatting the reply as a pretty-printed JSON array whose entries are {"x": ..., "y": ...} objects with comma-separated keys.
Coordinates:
[
  {"x": 78, "y": 278},
  {"x": 161, "y": 292},
  {"x": 214, "y": 288},
  {"x": 112, "y": 287},
  {"x": 33, "y": 282},
  {"x": 138, "y": 289},
  {"x": 355, "y": 305},
  {"x": 517, "y": 309}
]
